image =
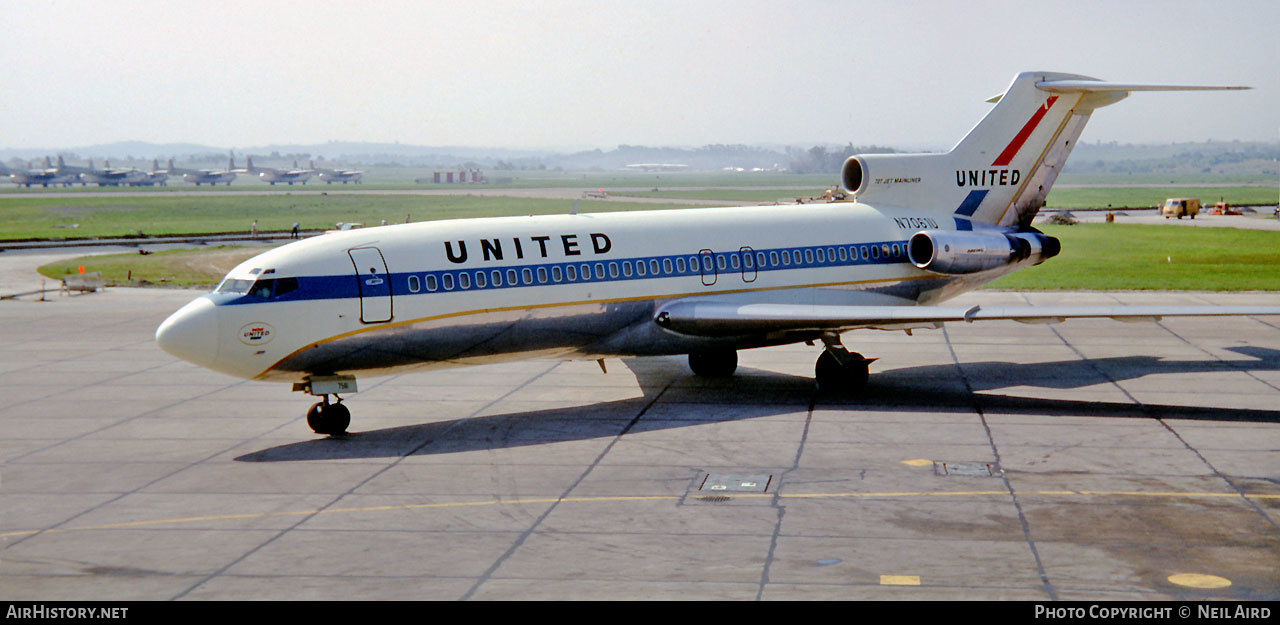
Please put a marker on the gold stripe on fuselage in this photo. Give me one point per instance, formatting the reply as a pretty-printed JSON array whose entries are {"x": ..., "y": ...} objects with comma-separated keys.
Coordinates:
[{"x": 481, "y": 311}]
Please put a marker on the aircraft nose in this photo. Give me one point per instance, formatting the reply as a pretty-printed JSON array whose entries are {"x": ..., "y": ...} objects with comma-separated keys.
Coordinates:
[{"x": 191, "y": 333}]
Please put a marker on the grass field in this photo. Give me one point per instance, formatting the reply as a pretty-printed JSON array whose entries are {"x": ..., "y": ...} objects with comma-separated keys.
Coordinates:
[
  {"x": 65, "y": 218},
  {"x": 1144, "y": 196},
  {"x": 752, "y": 196},
  {"x": 202, "y": 267},
  {"x": 1133, "y": 257},
  {"x": 1094, "y": 256},
  {"x": 1059, "y": 197}
]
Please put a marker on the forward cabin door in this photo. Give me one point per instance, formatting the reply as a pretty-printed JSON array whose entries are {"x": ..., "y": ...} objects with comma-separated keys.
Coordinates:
[{"x": 374, "y": 283}]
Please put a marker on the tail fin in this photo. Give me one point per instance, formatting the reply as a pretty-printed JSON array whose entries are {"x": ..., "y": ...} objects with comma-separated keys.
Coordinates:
[{"x": 1000, "y": 173}]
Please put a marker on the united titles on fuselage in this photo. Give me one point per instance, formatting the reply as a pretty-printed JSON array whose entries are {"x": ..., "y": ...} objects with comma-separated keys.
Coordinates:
[
  {"x": 565, "y": 245},
  {"x": 1001, "y": 177}
]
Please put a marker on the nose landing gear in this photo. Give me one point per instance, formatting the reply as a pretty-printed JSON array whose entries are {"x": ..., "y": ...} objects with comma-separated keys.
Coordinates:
[
  {"x": 327, "y": 418},
  {"x": 324, "y": 417}
]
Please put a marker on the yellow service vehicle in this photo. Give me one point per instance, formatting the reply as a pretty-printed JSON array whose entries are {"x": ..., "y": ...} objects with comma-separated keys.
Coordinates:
[{"x": 1180, "y": 206}]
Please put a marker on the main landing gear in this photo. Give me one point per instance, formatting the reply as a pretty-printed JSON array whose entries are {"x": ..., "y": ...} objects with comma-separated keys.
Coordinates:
[
  {"x": 717, "y": 363},
  {"x": 324, "y": 417},
  {"x": 838, "y": 371}
]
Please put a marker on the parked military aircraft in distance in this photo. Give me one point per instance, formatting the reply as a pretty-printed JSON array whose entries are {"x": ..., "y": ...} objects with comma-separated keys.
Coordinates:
[
  {"x": 267, "y": 174},
  {"x": 46, "y": 176},
  {"x": 920, "y": 229},
  {"x": 330, "y": 176},
  {"x": 108, "y": 176},
  {"x": 206, "y": 176},
  {"x": 155, "y": 177},
  {"x": 657, "y": 166}
]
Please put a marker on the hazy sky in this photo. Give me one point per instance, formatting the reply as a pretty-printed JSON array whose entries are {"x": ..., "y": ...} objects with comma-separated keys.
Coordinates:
[{"x": 552, "y": 74}]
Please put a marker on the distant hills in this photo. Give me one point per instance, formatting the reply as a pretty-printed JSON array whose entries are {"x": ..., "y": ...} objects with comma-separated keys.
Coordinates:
[{"x": 1234, "y": 157}]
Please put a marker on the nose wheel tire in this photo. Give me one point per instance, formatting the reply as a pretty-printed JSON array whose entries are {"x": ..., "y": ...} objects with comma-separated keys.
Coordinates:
[
  {"x": 326, "y": 418},
  {"x": 848, "y": 379}
]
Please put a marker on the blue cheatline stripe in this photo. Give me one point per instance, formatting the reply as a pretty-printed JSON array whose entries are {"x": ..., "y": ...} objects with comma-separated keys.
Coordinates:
[
  {"x": 971, "y": 202},
  {"x": 598, "y": 270}
]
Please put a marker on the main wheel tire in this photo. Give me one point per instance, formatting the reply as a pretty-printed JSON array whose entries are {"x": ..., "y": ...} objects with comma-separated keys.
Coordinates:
[
  {"x": 834, "y": 378},
  {"x": 328, "y": 418},
  {"x": 714, "y": 364}
]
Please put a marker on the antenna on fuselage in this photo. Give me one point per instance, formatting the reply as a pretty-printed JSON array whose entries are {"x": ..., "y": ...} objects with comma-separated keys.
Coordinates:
[{"x": 574, "y": 211}]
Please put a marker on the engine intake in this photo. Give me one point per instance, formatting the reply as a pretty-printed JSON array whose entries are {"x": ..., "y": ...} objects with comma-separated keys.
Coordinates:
[
  {"x": 851, "y": 175},
  {"x": 955, "y": 253}
]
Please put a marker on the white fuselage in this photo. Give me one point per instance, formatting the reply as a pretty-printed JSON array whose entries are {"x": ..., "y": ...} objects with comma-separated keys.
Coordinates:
[{"x": 396, "y": 298}]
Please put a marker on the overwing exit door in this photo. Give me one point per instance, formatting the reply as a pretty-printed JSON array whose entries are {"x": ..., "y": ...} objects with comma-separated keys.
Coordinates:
[{"x": 374, "y": 283}]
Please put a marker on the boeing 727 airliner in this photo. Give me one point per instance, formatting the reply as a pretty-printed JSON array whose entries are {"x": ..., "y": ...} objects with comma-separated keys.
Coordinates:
[{"x": 921, "y": 228}]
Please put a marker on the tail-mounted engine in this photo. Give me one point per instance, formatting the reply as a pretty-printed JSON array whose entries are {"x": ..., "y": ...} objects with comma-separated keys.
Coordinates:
[{"x": 953, "y": 253}]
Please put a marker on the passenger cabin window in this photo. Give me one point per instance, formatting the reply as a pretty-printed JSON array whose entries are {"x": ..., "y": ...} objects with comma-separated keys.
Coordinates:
[
  {"x": 414, "y": 284},
  {"x": 431, "y": 283}
]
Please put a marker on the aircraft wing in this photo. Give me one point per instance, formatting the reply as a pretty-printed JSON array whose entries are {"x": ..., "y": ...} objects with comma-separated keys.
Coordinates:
[{"x": 729, "y": 319}]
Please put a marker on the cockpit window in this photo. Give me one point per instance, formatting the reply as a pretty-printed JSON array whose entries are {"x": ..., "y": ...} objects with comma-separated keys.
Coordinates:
[
  {"x": 267, "y": 288},
  {"x": 264, "y": 288},
  {"x": 234, "y": 286}
]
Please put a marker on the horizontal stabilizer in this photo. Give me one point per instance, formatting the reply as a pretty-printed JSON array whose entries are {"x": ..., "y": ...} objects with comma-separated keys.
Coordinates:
[
  {"x": 1096, "y": 86},
  {"x": 729, "y": 319}
]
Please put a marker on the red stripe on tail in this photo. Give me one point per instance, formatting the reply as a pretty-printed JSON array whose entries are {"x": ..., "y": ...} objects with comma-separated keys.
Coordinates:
[{"x": 1016, "y": 144}]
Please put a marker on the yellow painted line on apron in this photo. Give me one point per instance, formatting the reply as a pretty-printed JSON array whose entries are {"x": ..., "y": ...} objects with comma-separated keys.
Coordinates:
[
  {"x": 1197, "y": 580},
  {"x": 554, "y": 500},
  {"x": 899, "y": 580}
]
